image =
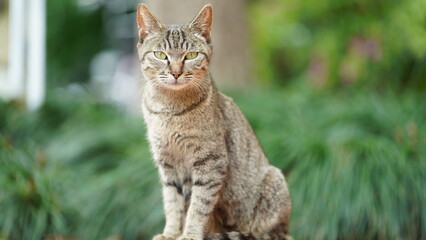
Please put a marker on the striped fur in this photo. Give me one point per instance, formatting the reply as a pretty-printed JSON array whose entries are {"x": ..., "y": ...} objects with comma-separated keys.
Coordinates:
[
  {"x": 245, "y": 236},
  {"x": 217, "y": 182}
]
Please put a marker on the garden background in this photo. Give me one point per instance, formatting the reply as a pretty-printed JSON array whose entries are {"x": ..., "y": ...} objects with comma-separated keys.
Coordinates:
[{"x": 335, "y": 91}]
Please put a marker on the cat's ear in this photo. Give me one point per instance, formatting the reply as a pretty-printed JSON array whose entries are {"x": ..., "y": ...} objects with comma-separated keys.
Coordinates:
[
  {"x": 203, "y": 21},
  {"x": 147, "y": 22}
]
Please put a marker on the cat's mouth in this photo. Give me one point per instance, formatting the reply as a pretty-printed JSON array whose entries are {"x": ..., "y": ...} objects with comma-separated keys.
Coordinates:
[{"x": 174, "y": 83}]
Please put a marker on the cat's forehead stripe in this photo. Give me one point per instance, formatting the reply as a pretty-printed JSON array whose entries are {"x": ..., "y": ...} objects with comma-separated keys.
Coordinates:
[
  {"x": 175, "y": 38},
  {"x": 168, "y": 46},
  {"x": 170, "y": 38},
  {"x": 182, "y": 39}
]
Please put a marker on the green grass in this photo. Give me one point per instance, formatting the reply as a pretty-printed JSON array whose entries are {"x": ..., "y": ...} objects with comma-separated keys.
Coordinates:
[
  {"x": 355, "y": 163},
  {"x": 77, "y": 168}
]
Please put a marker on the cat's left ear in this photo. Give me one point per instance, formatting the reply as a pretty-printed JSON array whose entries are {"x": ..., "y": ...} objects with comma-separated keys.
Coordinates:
[
  {"x": 147, "y": 22},
  {"x": 203, "y": 21}
]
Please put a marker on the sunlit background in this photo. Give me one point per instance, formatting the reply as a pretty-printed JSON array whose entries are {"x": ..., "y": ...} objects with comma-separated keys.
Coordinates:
[{"x": 335, "y": 91}]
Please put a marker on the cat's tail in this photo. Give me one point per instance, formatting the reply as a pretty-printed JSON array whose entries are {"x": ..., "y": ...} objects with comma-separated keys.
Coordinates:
[{"x": 246, "y": 236}]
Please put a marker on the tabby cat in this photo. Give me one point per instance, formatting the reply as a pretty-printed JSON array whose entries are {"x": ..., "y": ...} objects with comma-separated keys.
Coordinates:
[{"x": 217, "y": 182}]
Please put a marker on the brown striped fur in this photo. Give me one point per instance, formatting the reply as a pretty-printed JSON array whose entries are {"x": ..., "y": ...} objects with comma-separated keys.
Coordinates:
[{"x": 217, "y": 182}]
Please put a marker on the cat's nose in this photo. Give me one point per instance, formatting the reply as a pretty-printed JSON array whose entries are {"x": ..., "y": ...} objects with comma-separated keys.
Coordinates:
[{"x": 176, "y": 74}]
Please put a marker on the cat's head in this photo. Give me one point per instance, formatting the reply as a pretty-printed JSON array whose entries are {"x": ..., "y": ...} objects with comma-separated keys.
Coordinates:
[{"x": 171, "y": 56}]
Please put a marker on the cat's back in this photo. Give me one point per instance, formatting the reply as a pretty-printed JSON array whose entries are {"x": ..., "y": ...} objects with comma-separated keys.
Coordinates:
[{"x": 240, "y": 139}]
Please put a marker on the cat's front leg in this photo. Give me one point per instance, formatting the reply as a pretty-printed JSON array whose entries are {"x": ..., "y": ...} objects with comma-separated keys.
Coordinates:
[
  {"x": 208, "y": 175},
  {"x": 174, "y": 204}
]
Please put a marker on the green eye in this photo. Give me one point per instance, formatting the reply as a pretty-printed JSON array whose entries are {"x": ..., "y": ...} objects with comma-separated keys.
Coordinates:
[
  {"x": 191, "y": 55},
  {"x": 160, "y": 55}
]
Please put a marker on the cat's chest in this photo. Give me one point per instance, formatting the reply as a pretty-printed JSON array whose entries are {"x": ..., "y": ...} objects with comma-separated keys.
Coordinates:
[
  {"x": 176, "y": 142},
  {"x": 182, "y": 139}
]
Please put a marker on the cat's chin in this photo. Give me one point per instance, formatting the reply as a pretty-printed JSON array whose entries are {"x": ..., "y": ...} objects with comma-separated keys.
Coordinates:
[
  {"x": 176, "y": 85},
  {"x": 173, "y": 84}
]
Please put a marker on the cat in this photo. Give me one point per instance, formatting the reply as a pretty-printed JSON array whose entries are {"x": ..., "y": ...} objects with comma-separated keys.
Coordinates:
[{"x": 217, "y": 182}]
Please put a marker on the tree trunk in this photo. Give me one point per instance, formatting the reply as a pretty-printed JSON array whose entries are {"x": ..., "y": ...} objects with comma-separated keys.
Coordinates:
[{"x": 229, "y": 35}]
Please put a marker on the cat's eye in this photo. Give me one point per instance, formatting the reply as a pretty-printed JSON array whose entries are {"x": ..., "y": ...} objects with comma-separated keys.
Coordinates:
[
  {"x": 191, "y": 55},
  {"x": 160, "y": 55}
]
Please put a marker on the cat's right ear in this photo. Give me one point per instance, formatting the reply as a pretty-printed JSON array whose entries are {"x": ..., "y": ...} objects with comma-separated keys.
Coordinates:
[{"x": 147, "y": 23}]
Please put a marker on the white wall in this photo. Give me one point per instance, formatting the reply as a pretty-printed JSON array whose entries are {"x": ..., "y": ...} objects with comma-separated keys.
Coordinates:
[{"x": 26, "y": 53}]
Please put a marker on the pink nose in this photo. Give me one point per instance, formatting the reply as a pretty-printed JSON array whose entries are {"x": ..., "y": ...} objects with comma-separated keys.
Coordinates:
[{"x": 176, "y": 74}]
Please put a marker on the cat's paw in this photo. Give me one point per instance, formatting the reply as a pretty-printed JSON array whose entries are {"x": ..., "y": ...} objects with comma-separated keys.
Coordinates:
[
  {"x": 189, "y": 237},
  {"x": 163, "y": 237}
]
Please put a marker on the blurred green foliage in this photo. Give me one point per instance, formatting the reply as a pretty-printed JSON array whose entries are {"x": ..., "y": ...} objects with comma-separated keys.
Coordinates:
[
  {"x": 74, "y": 36},
  {"x": 355, "y": 163},
  {"x": 78, "y": 30},
  {"x": 328, "y": 43},
  {"x": 76, "y": 168},
  {"x": 334, "y": 43}
]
